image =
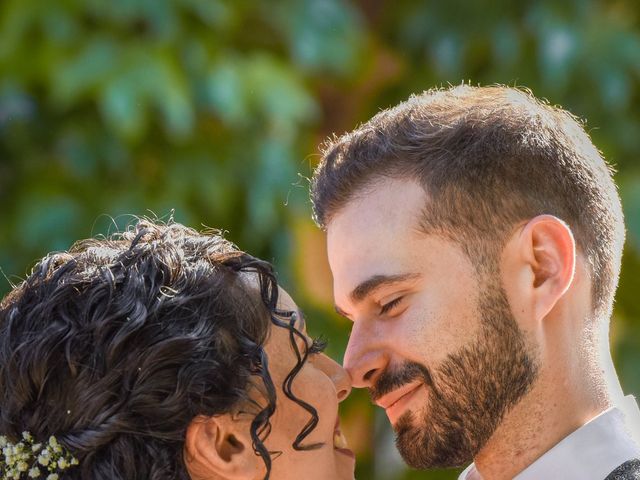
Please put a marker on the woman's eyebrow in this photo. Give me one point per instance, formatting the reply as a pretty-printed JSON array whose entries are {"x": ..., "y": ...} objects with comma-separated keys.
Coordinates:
[{"x": 303, "y": 323}]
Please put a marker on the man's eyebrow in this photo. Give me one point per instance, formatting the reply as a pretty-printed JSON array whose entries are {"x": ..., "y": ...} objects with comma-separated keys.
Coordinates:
[{"x": 375, "y": 282}]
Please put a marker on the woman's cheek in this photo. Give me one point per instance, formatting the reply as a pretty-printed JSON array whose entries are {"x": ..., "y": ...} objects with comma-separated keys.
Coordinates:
[{"x": 314, "y": 387}]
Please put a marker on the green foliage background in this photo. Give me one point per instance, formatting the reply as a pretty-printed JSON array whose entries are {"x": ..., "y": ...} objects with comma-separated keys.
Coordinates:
[{"x": 215, "y": 108}]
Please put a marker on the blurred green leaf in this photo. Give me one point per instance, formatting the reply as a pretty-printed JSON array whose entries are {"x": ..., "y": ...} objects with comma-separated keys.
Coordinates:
[
  {"x": 321, "y": 34},
  {"x": 630, "y": 191},
  {"x": 52, "y": 217},
  {"x": 225, "y": 93},
  {"x": 85, "y": 72}
]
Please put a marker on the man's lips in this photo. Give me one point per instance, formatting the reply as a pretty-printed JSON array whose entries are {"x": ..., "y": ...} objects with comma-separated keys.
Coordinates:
[
  {"x": 391, "y": 398},
  {"x": 396, "y": 402}
]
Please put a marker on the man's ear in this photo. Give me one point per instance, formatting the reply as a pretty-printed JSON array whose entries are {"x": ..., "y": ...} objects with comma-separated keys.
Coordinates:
[
  {"x": 547, "y": 246},
  {"x": 220, "y": 447}
]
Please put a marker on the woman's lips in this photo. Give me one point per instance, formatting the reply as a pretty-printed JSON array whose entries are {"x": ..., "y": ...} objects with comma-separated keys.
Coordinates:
[
  {"x": 340, "y": 441},
  {"x": 395, "y": 403}
]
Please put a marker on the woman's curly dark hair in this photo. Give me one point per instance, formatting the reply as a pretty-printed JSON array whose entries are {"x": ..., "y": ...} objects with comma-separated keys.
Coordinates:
[{"x": 118, "y": 344}]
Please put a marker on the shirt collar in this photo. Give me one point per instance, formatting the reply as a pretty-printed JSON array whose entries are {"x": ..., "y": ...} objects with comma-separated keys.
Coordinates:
[{"x": 591, "y": 452}]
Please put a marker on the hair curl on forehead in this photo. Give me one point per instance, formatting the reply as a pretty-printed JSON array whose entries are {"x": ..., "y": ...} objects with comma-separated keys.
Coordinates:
[{"x": 118, "y": 344}]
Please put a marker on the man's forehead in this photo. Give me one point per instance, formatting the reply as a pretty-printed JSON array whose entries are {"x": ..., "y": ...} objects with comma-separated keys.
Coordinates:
[
  {"x": 374, "y": 233},
  {"x": 355, "y": 257},
  {"x": 385, "y": 203},
  {"x": 376, "y": 221}
]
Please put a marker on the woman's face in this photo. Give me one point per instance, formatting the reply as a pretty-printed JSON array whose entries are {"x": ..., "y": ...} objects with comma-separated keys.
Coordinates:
[{"x": 321, "y": 383}]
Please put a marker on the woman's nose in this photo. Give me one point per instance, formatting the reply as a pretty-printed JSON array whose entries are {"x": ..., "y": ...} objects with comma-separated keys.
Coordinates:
[{"x": 338, "y": 375}]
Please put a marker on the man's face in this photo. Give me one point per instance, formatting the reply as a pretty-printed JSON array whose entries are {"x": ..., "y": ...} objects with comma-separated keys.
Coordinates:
[{"x": 436, "y": 345}]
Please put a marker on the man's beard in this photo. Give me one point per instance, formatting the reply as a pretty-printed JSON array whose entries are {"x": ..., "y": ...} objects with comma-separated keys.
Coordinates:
[{"x": 469, "y": 392}]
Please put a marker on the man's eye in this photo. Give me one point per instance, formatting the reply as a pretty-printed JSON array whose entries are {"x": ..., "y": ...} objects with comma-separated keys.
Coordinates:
[
  {"x": 387, "y": 307},
  {"x": 318, "y": 345}
]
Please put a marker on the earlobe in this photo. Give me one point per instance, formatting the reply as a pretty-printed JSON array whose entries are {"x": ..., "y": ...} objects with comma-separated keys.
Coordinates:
[
  {"x": 219, "y": 447},
  {"x": 549, "y": 250}
]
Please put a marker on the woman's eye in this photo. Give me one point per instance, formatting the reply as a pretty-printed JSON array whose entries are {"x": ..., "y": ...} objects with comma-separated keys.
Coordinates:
[
  {"x": 318, "y": 345},
  {"x": 387, "y": 307}
]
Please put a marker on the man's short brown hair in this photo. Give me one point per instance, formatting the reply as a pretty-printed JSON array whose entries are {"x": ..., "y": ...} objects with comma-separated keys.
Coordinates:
[{"x": 488, "y": 158}]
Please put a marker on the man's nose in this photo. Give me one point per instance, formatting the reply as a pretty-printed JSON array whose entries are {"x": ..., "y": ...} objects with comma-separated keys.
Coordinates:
[{"x": 364, "y": 358}]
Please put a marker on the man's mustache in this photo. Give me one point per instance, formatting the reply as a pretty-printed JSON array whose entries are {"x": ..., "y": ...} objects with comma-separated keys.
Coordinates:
[{"x": 391, "y": 380}]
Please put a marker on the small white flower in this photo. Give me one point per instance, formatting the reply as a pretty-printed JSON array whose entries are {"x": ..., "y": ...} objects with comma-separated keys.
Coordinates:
[
  {"x": 27, "y": 457},
  {"x": 43, "y": 459}
]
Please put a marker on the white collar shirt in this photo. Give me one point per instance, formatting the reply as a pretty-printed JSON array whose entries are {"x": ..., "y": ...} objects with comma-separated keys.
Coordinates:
[{"x": 591, "y": 452}]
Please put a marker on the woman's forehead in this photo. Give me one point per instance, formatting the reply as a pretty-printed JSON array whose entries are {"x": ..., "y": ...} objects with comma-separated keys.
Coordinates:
[{"x": 285, "y": 302}]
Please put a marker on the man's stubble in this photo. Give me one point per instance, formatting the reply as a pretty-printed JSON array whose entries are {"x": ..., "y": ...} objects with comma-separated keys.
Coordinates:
[{"x": 469, "y": 392}]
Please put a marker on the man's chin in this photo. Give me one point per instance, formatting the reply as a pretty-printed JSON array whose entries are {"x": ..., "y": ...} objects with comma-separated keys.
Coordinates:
[{"x": 424, "y": 449}]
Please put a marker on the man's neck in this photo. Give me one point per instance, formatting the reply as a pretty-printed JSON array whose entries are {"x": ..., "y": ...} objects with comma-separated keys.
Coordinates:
[{"x": 554, "y": 408}]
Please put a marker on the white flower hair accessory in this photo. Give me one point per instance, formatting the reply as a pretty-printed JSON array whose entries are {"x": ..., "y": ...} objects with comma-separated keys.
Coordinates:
[{"x": 28, "y": 459}]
